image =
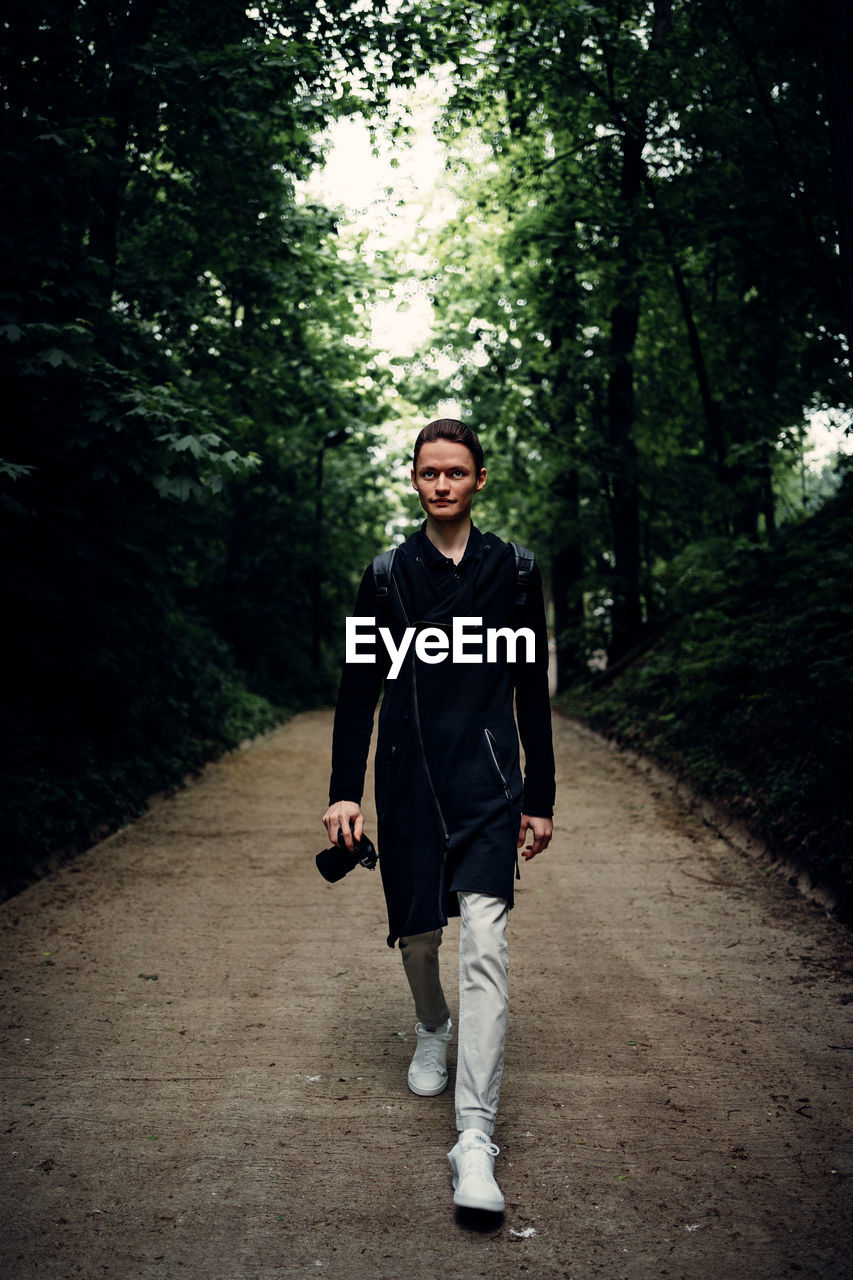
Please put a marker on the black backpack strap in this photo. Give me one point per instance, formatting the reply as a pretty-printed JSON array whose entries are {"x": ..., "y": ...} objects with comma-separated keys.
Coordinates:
[
  {"x": 524, "y": 562},
  {"x": 383, "y": 565}
]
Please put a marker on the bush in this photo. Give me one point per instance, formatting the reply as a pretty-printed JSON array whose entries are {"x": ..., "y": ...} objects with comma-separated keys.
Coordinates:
[
  {"x": 69, "y": 774},
  {"x": 750, "y": 689}
]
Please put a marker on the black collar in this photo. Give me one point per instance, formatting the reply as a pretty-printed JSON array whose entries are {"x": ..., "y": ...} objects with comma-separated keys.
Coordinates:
[{"x": 432, "y": 559}]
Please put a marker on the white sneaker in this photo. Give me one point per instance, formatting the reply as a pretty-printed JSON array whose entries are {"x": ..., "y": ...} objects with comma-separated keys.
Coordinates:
[
  {"x": 428, "y": 1069},
  {"x": 473, "y": 1162}
]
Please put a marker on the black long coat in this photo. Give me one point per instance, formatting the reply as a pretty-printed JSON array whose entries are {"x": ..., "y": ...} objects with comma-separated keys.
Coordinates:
[{"x": 449, "y": 790}]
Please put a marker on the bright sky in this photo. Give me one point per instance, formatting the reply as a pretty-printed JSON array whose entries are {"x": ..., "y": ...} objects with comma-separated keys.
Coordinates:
[
  {"x": 395, "y": 191},
  {"x": 827, "y": 437}
]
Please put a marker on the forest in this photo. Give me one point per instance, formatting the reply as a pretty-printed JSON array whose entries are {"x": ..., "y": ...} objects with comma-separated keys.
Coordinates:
[{"x": 642, "y": 301}]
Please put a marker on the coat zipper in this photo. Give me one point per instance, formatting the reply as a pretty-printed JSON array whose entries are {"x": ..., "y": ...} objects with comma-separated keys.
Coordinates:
[
  {"x": 423, "y": 757},
  {"x": 417, "y": 712},
  {"x": 491, "y": 744}
]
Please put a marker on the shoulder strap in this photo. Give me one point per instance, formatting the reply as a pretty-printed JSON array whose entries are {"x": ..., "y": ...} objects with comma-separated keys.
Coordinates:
[
  {"x": 382, "y": 567},
  {"x": 524, "y": 562}
]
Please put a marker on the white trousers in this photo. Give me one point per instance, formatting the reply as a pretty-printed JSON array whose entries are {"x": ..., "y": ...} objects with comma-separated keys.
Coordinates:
[{"x": 483, "y": 1002}]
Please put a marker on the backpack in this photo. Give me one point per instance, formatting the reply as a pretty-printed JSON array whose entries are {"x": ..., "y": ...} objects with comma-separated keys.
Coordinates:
[{"x": 383, "y": 566}]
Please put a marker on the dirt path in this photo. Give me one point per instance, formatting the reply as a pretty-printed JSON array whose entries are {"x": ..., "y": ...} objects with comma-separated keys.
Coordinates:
[{"x": 205, "y": 1046}]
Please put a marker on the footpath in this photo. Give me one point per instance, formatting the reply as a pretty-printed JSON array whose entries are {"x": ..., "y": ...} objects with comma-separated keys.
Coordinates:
[{"x": 204, "y": 1053}]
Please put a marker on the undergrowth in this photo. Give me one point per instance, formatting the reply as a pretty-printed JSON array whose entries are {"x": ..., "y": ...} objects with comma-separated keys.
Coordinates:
[
  {"x": 72, "y": 769},
  {"x": 749, "y": 691}
]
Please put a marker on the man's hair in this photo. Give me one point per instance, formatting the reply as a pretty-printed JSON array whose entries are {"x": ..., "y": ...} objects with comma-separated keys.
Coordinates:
[{"x": 450, "y": 429}]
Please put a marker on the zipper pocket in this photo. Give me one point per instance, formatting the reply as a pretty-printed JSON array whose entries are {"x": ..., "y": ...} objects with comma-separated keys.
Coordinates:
[{"x": 493, "y": 752}]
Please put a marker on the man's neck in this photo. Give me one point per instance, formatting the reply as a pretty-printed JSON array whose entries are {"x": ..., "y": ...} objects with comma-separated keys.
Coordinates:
[{"x": 449, "y": 538}]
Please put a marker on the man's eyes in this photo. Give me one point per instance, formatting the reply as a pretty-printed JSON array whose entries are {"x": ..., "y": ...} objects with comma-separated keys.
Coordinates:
[{"x": 458, "y": 473}]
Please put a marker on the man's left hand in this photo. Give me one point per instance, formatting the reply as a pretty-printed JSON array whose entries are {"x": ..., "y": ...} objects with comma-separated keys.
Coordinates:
[{"x": 541, "y": 829}]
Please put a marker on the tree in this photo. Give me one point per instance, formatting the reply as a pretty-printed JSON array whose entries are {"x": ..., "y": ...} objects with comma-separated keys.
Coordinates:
[
  {"x": 663, "y": 170},
  {"x": 182, "y": 342}
]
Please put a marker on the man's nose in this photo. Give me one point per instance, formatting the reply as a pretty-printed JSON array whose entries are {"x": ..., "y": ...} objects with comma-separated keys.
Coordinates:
[{"x": 442, "y": 482}]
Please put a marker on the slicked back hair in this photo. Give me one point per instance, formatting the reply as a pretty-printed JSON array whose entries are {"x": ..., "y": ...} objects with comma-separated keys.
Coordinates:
[{"x": 457, "y": 432}]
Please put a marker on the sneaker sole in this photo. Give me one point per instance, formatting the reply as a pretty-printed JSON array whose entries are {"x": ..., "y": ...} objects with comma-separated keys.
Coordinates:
[
  {"x": 426, "y": 1093},
  {"x": 471, "y": 1202}
]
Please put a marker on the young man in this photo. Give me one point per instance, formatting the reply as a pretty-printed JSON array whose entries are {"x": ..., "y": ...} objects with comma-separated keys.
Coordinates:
[{"x": 453, "y": 810}]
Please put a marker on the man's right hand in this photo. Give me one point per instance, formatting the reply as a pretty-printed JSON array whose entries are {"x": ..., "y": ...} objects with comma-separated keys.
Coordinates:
[{"x": 346, "y": 816}]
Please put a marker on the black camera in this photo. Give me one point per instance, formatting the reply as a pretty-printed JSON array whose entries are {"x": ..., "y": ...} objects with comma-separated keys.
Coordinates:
[{"x": 337, "y": 862}]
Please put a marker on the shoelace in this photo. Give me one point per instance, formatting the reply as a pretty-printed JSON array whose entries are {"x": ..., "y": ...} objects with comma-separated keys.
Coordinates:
[
  {"x": 482, "y": 1149},
  {"x": 430, "y": 1053}
]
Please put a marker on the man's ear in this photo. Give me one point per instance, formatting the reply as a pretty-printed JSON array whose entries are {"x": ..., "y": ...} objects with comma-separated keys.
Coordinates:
[
  {"x": 412, "y": 474},
  {"x": 481, "y": 480}
]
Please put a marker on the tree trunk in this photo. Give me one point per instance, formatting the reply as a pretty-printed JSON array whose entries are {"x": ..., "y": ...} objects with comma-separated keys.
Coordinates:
[
  {"x": 567, "y": 560},
  {"x": 110, "y": 177},
  {"x": 710, "y": 406},
  {"x": 627, "y": 615},
  {"x": 316, "y": 587},
  {"x": 838, "y": 19},
  {"x": 566, "y": 579},
  {"x": 318, "y": 562}
]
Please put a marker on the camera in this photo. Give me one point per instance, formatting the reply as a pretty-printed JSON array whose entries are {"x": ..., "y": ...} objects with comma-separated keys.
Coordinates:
[{"x": 337, "y": 862}]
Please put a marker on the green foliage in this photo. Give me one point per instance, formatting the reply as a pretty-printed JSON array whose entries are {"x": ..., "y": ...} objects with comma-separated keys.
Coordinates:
[
  {"x": 748, "y": 691},
  {"x": 641, "y": 291},
  {"x": 191, "y": 400}
]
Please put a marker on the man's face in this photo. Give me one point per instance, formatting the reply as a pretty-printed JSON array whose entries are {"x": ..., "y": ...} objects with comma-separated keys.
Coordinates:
[{"x": 446, "y": 480}]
